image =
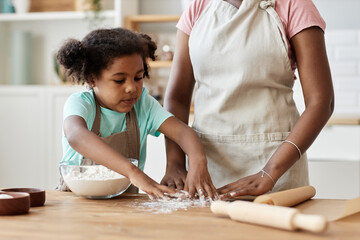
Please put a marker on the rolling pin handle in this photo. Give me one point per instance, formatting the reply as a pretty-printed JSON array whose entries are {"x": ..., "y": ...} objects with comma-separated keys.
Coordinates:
[
  {"x": 220, "y": 207},
  {"x": 313, "y": 223}
]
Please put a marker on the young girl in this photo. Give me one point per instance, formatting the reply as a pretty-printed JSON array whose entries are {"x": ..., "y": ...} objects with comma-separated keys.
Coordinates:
[{"x": 110, "y": 122}]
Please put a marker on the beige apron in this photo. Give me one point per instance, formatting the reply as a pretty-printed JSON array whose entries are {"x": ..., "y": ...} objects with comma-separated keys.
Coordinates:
[
  {"x": 243, "y": 100},
  {"x": 126, "y": 143}
]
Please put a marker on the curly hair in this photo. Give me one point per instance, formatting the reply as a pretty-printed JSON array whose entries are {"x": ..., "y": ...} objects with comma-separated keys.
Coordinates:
[{"x": 98, "y": 49}]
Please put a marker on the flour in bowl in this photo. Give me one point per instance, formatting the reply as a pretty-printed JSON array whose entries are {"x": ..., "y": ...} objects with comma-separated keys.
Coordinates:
[
  {"x": 5, "y": 196},
  {"x": 95, "y": 181}
]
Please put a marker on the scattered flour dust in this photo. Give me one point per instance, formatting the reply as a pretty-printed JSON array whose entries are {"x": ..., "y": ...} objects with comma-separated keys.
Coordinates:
[
  {"x": 169, "y": 205},
  {"x": 5, "y": 196},
  {"x": 96, "y": 181}
]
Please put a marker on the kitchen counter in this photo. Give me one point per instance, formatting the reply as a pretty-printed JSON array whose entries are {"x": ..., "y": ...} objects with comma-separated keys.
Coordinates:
[{"x": 66, "y": 216}]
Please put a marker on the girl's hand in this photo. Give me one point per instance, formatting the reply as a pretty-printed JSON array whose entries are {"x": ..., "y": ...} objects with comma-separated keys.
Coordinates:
[
  {"x": 149, "y": 186},
  {"x": 175, "y": 178},
  {"x": 198, "y": 180},
  {"x": 252, "y": 185}
]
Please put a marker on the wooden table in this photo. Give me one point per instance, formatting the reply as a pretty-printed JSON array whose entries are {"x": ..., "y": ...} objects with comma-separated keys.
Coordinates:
[{"x": 66, "y": 216}]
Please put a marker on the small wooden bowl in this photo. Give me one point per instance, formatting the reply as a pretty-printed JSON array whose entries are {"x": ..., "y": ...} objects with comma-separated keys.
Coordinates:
[
  {"x": 18, "y": 204},
  {"x": 37, "y": 196}
]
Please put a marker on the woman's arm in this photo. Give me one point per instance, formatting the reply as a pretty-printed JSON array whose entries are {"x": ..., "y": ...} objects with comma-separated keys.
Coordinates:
[
  {"x": 316, "y": 82},
  {"x": 93, "y": 147},
  {"x": 198, "y": 179},
  {"x": 177, "y": 101}
]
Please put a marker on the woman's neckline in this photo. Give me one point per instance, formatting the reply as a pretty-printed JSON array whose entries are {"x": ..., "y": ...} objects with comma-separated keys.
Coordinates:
[{"x": 234, "y": 3}]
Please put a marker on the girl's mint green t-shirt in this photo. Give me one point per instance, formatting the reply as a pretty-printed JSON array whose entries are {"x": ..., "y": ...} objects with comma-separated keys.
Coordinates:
[{"x": 150, "y": 115}]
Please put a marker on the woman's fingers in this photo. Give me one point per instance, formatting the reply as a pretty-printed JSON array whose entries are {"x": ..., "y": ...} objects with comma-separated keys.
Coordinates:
[
  {"x": 228, "y": 188},
  {"x": 179, "y": 184},
  {"x": 235, "y": 193}
]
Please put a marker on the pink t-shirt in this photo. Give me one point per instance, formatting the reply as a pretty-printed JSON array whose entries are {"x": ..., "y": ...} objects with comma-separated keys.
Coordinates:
[{"x": 296, "y": 15}]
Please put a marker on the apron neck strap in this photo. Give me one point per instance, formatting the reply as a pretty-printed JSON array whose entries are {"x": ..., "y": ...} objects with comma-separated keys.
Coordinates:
[{"x": 96, "y": 125}]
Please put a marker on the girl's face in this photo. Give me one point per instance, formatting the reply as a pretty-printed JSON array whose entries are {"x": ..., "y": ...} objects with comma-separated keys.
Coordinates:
[{"x": 120, "y": 85}]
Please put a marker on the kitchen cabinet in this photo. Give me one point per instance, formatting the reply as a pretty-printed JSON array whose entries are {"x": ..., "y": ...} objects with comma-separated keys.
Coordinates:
[
  {"x": 31, "y": 130},
  {"x": 48, "y": 31},
  {"x": 334, "y": 160}
]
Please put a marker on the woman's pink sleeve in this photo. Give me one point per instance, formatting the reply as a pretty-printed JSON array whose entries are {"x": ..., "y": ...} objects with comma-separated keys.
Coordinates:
[
  {"x": 303, "y": 14},
  {"x": 190, "y": 15}
]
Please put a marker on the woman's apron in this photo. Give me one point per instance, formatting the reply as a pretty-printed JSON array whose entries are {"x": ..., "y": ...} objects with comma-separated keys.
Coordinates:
[
  {"x": 243, "y": 100},
  {"x": 126, "y": 143}
]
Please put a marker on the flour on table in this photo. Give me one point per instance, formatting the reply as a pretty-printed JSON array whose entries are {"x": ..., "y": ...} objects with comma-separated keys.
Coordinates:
[
  {"x": 97, "y": 180},
  {"x": 164, "y": 206}
]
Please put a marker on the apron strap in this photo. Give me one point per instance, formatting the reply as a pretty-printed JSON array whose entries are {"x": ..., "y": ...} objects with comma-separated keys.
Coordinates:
[
  {"x": 133, "y": 133},
  {"x": 132, "y": 130},
  {"x": 269, "y": 5},
  {"x": 96, "y": 124}
]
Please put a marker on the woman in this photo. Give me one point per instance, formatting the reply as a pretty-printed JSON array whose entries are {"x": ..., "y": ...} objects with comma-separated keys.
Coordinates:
[{"x": 242, "y": 56}]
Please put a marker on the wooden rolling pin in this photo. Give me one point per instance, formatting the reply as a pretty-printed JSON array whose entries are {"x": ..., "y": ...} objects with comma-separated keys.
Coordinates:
[
  {"x": 287, "y": 198},
  {"x": 272, "y": 216}
]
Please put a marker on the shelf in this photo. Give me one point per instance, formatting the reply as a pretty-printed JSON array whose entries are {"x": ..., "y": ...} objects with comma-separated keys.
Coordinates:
[
  {"x": 344, "y": 120},
  {"x": 133, "y": 22},
  {"x": 153, "y": 18},
  {"x": 40, "y": 16},
  {"x": 160, "y": 64}
]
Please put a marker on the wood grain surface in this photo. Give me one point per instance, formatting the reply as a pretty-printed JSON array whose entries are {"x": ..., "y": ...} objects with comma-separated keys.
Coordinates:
[{"x": 66, "y": 216}]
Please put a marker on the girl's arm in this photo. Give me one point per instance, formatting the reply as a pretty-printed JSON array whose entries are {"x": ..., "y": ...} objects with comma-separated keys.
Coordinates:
[
  {"x": 316, "y": 82},
  {"x": 93, "y": 147},
  {"x": 177, "y": 101},
  {"x": 198, "y": 179}
]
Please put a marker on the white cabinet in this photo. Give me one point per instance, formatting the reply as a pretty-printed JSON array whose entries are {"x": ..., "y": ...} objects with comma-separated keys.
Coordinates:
[
  {"x": 335, "y": 179},
  {"x": 155, "y": 157},
  {"x": 30, "y": 140},
  {"x": 334, "y": 162}
]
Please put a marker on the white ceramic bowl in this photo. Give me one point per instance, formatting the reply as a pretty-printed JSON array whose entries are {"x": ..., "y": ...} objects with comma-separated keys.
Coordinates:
[{"x": 95, "y": 181}]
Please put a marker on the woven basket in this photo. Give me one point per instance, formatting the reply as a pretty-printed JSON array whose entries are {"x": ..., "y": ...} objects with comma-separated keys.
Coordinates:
[{"x": 52, "y": 6}]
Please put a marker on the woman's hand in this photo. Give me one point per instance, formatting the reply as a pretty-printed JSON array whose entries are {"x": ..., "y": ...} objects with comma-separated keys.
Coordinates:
[
  {"x": 175, "y": 178},
  {"x": 252, "y": 185},
  {"x": 198, "y": 180},
  {"x": 149, "y": 186}
]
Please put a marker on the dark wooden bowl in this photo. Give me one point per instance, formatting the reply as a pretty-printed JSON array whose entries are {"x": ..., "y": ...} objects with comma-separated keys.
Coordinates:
[
  {"x": 18, "y": 204},
  {"x": 37, "y": 196}
]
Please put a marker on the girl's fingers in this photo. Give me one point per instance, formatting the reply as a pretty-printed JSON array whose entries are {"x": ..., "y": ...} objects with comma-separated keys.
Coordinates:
[
  {"x": 151, "y": 196},
  {"x": 166, "y": 189}
]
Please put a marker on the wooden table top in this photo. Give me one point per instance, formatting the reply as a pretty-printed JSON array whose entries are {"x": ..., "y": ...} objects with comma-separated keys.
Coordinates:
[{"x": 66, "y": 216}]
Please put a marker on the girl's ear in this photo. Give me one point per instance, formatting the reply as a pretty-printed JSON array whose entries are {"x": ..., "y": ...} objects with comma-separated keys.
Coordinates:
[{"x": 92, "y": 82}]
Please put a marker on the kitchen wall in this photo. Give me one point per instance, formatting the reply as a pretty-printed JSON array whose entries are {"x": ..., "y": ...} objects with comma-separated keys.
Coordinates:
[{"x": 343, "y": 47}]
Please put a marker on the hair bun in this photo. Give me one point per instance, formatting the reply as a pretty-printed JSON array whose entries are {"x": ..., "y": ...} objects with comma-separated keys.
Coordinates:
[{"x": 71, "y": 54}]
